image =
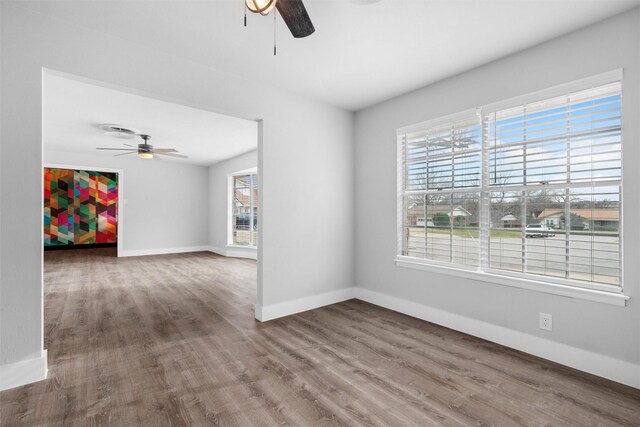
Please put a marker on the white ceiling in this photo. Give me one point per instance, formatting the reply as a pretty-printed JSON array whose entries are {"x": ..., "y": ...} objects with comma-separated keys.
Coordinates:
[
  {"x": 361, "y": 53},
  {"x": 72, "y": 110}
]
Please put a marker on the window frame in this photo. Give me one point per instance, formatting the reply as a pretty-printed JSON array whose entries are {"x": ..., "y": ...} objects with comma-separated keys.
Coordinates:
[
  {"x": 253, "y": 176},
  {"x": 565, "y": 287}
]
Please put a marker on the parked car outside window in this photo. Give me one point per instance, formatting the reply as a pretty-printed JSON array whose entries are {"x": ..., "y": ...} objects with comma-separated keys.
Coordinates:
[{"x": 539, "y": 230}]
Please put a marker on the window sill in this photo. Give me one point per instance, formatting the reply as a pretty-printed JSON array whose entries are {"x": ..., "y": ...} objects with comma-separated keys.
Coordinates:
[
  {"x": 242, "y": 247},
  {"x": 617, "y": 299}
]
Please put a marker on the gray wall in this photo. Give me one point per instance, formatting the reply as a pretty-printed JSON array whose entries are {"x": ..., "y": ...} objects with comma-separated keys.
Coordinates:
[
  {"x": 219, "y": 194},
  {"x": 599, "y": 328},
  {"x": 165, "y": 203},
  {"x": 306, "y": 152}
]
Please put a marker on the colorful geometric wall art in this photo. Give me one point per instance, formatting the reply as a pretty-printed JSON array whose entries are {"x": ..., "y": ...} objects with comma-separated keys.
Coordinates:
[{"x": 80, "y": 207}]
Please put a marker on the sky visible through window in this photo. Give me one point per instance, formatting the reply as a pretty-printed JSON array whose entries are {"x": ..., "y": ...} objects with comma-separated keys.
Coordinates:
[
  {"x": 555, "y": 164},
  {"x": 454, "y": 159}
]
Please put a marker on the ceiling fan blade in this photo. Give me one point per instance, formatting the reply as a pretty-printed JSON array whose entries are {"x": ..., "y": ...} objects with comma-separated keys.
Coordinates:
[
  {"x": 129, "y": 145},
  {"x": 124, "y": 154},
  {"x": 165, "y": 150},
  {"x": 180, "y": 156},
  {"x": 118, "y": 149},
  {"x": 296, "y": 17}
]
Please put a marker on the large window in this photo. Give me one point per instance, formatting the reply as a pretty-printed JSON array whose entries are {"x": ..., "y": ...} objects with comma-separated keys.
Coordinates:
[
  {"x": 244, "y": 210},
  {"x": 527, "y": 188}
]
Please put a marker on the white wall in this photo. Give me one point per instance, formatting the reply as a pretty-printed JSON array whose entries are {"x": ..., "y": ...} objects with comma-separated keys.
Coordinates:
[
  {"x": 219, "y": 196},
  {"x": 305, "y": 154},
  {"x": 597, "y": 329},
  {"x": 165, "y": 204}
]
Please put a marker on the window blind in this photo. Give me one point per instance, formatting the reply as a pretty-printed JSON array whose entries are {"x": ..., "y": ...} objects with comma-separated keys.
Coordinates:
[
  {"x": 571, "y": 138},
  {"x": 441, "y": 200},
  {"x": 533, "y": 189}
]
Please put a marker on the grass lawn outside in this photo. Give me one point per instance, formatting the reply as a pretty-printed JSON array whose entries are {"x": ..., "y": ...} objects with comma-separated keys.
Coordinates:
[
  {"x": 471, "y": 232},
  {"x": 515, "y": 233}
]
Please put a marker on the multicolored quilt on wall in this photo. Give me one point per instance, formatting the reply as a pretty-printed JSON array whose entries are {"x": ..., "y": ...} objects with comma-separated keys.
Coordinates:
[{"x": 80, "y": 207}]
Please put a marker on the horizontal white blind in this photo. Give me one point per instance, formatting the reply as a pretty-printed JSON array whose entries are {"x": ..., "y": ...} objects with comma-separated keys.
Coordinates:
[
  {"x": 555, "y": 169},
  {"x": 440, "y": 209},
  {"x": 445, "y": 156},
  {"x": 571, "y": 138},
  {"x": 571, "y": 234},
  {"x": 530, "y": 190}
]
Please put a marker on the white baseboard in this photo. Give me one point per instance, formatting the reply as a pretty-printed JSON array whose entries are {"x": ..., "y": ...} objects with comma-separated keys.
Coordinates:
[
  {"x": 604, "y": 366},
  {"x": 23, "y": 372},
  {"x": 248, "y": 253},
  {"x": 162, "y": 251},
  {"x": 235, "y": 252},
  {"x": 219, "y": 251},
  {"x": 286, "y": 308}
]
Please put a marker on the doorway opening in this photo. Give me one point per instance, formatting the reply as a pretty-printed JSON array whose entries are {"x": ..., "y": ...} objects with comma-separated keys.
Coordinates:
[{"x": 176, "y": 201}]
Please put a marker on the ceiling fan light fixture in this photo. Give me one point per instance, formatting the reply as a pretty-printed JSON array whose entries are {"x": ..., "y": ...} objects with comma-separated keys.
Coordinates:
[
  {"x": 263, "y": 7},
  {"x": 146, "y": 150}
]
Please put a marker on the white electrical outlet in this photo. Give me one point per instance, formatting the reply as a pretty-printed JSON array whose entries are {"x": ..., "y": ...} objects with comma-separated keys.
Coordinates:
[{"x": 546, "y": 321}]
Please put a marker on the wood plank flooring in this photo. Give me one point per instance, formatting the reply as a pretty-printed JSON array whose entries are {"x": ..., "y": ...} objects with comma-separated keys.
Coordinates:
[{"x": 171, "y": 340}]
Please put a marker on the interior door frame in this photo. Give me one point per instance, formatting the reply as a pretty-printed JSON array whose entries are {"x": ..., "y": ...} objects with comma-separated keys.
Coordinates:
[{"x": 120, "y": 210}]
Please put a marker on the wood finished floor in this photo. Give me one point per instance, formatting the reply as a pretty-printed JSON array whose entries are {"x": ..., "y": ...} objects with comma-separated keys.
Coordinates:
[{"x": 171, "y": 340}]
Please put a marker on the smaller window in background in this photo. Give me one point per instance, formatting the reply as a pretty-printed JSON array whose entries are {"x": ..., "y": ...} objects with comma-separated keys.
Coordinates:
[{"x": 244, "y": 210}]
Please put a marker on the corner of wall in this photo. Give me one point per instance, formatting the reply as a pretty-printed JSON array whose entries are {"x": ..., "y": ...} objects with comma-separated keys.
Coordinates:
[
  {"x": 23, "y": 372},
  {"x": 287, "y": 308}
]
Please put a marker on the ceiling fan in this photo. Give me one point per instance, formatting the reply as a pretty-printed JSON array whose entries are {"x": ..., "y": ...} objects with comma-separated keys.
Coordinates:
[
  {"x": 293, "y": 13},
  {"x": 146, "y": 150}
]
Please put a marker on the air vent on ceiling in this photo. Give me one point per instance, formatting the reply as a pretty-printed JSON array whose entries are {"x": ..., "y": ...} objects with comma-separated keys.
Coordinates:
[{"x": 118, "y": 131}]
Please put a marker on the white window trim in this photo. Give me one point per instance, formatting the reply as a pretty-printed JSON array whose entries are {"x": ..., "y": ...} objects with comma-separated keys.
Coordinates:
[
  {"x": 230, "y": 177},
  {"x": 461, "y": 115},
  {"x": 582, "y": 84},
  {"x": 565, "y": 288},
  {"x": 558, "y": 90}
]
